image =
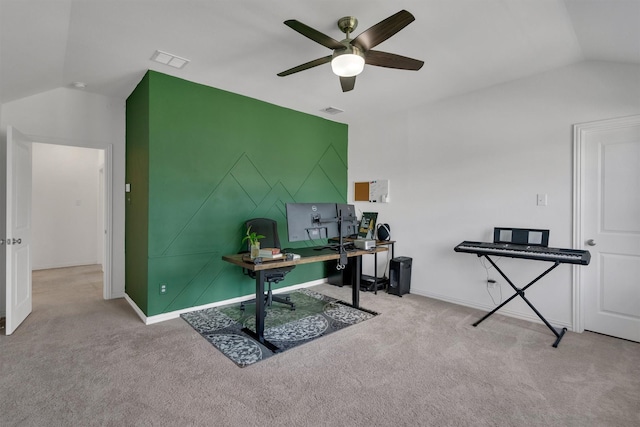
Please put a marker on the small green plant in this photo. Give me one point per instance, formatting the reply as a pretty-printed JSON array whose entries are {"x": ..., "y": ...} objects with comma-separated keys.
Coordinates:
[{"x": 252, "y": 237}]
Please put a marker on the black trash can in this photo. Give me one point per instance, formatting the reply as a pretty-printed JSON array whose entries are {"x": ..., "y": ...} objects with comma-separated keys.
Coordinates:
[{"x": 399, "y": 276}]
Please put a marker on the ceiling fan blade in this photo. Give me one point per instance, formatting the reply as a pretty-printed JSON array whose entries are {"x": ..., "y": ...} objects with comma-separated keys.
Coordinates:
[
  {"x": 306, "y": 66},
  {"x": 384, "y": 29},
  {"x": 314, "y": 35},
  {"x": 347, "y": 83},
  {"x": 391, "y": 60}
]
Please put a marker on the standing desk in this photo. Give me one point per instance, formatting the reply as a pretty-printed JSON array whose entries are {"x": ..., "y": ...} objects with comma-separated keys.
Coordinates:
[{"x": 307, "y": 256}]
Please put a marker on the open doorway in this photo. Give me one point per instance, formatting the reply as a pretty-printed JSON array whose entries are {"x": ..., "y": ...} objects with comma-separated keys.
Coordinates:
[{"x": 68, "y": 210}]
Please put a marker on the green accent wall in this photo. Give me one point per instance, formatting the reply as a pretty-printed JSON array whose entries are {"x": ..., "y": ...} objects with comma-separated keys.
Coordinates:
[{"x": 201, "y": 161}]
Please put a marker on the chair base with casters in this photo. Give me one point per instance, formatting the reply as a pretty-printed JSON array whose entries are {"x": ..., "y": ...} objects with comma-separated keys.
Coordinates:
[{"x": 270, "y": 298}]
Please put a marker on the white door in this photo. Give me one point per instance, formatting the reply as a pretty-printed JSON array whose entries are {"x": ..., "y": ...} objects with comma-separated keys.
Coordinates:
[
  {"x": 18, "y": 229},
  {"x": 610, "y": 180}
]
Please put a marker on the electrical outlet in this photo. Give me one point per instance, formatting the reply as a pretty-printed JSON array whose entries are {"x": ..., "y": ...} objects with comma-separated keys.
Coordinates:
[{"x": 163, "y": 288}]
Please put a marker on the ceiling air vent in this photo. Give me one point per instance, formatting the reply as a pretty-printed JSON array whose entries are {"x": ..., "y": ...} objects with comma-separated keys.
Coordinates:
[
  {"x": 332, "y": 110},
  {"x": 169, "y": 59}
]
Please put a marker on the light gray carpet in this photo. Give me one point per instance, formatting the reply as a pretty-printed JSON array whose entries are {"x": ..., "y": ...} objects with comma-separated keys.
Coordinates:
[{"x": 79, "y": 360}]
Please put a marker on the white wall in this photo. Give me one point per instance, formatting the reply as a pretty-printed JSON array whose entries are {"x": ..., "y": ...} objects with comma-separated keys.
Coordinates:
[
  {"x": 82, "y": 119},
  {"x": 64, "y": 220},
  {"x": 467, "y": 164}
]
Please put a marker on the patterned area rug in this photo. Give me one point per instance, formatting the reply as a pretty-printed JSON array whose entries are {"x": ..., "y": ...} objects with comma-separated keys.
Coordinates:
[{"x": 315, "y": 315}]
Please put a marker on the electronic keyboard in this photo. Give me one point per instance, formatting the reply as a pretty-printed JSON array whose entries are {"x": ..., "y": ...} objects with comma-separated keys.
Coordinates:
[{"x": 540, "y": 253}]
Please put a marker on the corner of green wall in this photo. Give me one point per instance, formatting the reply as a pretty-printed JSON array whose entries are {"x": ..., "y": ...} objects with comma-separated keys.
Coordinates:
[{"x": 136, "y": 201}]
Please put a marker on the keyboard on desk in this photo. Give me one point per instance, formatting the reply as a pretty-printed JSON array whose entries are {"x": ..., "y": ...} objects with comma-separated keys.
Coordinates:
[{"x": 541, "y": 253}]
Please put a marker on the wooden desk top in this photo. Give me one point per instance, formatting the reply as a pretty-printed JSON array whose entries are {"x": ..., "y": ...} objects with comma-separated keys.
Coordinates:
[
  {"x": 351, "y": 239},
  {"x": 306, "y": 257}
]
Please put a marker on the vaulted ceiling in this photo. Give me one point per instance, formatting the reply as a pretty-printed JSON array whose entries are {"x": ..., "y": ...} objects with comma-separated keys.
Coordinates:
[{"x": 241, "y": 45}]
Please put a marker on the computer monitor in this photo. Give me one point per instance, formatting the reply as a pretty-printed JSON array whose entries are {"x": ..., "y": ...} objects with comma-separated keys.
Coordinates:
[
  {"x": 349, "y": 223},
  {"x": 367, "y": 229},
  {"x": 311, "y": 221}
]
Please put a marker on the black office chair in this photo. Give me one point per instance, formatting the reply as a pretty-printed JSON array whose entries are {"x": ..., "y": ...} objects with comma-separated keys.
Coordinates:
[{"x": 269, "y": 228}]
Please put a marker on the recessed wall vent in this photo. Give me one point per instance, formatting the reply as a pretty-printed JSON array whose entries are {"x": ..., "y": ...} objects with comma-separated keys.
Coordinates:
[
  {"x": 169, "y": 59},
  {"x": 332, "y": 110}
]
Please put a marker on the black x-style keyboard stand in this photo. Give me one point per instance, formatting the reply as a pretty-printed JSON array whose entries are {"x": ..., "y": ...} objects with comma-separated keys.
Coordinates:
[{"x": 558, "y": 332}]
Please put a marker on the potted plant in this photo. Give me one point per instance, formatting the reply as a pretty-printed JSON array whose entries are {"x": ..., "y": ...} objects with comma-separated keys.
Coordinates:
[{"x": 254, "y": 242}]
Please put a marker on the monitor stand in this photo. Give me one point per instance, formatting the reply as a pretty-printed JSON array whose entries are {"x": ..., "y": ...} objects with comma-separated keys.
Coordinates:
[{"x": 340, "y": 248}]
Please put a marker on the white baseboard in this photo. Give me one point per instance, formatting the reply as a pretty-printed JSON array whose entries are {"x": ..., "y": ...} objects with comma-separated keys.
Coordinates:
[
  {"x": 149, "y": 320},
  {"x": 64, "y": 265},
  {"x": 504, "y": 311}
]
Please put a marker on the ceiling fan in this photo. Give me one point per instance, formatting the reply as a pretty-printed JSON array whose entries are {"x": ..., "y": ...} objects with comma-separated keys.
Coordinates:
[{"x": 350, "y": 55}]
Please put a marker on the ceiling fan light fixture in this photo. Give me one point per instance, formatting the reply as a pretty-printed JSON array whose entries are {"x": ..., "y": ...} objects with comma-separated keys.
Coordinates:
[
  {"x": 350, "y": 55},
  {"x": 348, "y": 62}
]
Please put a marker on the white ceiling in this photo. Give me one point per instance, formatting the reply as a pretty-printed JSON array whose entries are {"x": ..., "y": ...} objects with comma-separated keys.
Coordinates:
[{"x": 241, "y": 45}]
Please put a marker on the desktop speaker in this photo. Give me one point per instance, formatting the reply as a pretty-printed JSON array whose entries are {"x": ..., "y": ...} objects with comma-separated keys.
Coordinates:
[
  {"x": 384, "y": 232},
  {"x": 399, "y": 276}
]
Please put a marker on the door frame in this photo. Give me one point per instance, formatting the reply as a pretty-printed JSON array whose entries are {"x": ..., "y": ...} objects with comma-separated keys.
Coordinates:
[
  {"x": 107, "y": 286},
  {"x": 580, "y": 132}
]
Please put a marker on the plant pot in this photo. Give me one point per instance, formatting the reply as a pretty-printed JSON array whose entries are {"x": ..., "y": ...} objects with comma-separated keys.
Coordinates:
[{"x": 255, "y": 250}]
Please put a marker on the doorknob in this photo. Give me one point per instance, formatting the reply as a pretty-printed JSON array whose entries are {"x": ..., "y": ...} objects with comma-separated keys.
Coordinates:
[
  {"x": 591, "y": 242},
  {"x": 14, "y": 241}
]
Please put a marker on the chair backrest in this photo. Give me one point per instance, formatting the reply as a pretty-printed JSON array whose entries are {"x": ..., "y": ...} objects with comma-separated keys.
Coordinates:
[{"x": 268, "y": 228}]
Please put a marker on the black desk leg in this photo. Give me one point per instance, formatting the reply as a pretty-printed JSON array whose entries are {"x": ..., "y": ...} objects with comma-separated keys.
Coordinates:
[
  {"x": 355, "y": 286},
  {"x": 375, "y": 273},
  {"x": 558, "y": 332},
  {"x": 258, "y": 335}
]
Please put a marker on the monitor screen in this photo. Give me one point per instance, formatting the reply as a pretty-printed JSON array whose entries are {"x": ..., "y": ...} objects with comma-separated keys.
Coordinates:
[
  {"x": 368, "y": 225},
  {"x": 311, "y": 221}
]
